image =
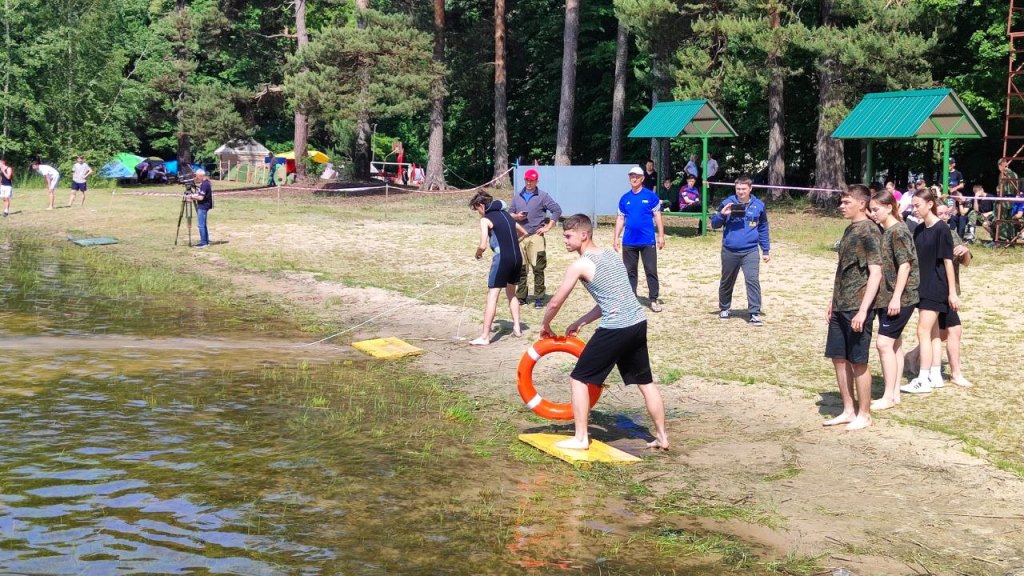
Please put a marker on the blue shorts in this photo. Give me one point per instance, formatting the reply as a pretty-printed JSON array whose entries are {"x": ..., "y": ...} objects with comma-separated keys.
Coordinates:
[{"x": 78, "y": 186}]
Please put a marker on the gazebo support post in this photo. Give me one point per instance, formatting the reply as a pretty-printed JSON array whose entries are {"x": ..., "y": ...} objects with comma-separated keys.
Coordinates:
[
  {"x": 704, "y": 186},
  {"x": 869, "y": 150},
  {"x": 945, "y": 165}
]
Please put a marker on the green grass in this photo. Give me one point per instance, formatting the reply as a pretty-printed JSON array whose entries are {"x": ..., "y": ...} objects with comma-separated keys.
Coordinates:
[{"x": 685, "y": 503}]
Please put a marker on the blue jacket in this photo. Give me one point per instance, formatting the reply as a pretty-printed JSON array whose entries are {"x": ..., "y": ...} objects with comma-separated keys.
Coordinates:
[{"x": 746, "y": 233}]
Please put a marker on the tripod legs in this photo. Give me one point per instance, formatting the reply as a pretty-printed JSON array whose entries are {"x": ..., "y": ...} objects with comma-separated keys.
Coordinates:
[{"x": 186, "y": 213}]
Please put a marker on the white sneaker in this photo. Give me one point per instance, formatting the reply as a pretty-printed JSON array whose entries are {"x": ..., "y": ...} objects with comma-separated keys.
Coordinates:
[
  {"x": 937, "y": 382},
  {"x": 917, "y": 386}
]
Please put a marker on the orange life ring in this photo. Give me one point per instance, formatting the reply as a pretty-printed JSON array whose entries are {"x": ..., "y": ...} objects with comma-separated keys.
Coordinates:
[{"x": 534, "y": 401}]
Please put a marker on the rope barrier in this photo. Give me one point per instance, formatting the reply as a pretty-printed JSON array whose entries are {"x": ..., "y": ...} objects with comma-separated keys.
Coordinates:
[
  {"x": 804, "y": 189},
  {"x": 389, "y": 310}
]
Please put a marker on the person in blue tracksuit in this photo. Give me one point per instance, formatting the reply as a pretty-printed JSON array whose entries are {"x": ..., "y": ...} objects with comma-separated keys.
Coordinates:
[{"x": 745, "y": 228}]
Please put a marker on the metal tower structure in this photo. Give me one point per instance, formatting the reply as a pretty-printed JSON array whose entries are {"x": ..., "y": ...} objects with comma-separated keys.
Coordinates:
[{"x": 1013, "y": 131}]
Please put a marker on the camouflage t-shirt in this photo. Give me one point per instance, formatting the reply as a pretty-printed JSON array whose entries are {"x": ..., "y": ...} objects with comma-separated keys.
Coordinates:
[
  {"x": 860, "y": 247},
  {"x": 956, "y": 261},
  {"x": 898, "y": 248}
]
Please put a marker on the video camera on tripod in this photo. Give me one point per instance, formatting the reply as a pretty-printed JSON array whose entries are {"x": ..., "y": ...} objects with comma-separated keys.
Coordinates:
[{"x": 187, "y": 177}]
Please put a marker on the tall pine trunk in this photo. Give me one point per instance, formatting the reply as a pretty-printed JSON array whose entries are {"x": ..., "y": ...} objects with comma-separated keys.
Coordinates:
[
  {"x": 301, "y": 123},
  {"x": 361, "y": 154},
  {"x": 434, "y": 177},
  {"x": 829, "y": 165},
  {"x": 776, "y": 115},
  {"x": 660, "y": 151},
  {"x": 566, "y": 110},
  {"x": 184, "y": 151},
  {"x": 619, "y": 93},
  {"x": 500, "y": 99}
]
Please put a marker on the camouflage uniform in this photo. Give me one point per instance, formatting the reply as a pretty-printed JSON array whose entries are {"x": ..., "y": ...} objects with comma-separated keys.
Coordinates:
[
  {"x": 897, "y": 248},
  {"x": 859, "y": 248}
]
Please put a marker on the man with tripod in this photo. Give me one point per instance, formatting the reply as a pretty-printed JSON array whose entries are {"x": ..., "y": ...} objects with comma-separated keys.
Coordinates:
[{"x": 203, "y": 198}]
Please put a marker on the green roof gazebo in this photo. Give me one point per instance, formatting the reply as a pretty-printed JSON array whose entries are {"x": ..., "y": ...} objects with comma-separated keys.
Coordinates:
[
  {"x": 936, "y": 114},
  {"x": 689, "y": 119}
]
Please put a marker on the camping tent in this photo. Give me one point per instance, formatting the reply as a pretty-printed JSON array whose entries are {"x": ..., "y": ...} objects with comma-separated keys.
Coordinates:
[
  {"x": 121, "y": 166},
  {"x": 314, "y": 155},
  {"x": 238, "y": 152}
]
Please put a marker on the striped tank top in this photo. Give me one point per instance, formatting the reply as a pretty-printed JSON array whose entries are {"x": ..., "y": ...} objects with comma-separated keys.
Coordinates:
[{"x": 611, "y": 290}]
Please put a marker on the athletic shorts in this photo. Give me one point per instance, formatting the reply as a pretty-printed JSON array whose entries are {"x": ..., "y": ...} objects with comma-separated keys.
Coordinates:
[
  {"x": 504, "y": 271},
  {"x": 948, "y": 319},
  {"x": 6, "y": 191},
  {"x": 933, "y": 305},
  {"x": 892, "y": 326},
  {"x": 78, "y": 186},
  {"x": 625, "y": 348},
  {"x": 843, "y": 342}
]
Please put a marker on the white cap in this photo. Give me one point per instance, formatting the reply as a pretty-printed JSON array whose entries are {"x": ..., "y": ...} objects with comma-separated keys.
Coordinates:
[{"x": 636, "y": 170}]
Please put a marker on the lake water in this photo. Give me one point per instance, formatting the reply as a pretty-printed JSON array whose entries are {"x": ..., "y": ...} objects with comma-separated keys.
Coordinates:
[{"x": 141, "y": 436}]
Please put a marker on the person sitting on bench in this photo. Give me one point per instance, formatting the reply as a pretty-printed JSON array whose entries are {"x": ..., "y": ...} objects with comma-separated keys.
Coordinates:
[{"x": 689, "y": 195}]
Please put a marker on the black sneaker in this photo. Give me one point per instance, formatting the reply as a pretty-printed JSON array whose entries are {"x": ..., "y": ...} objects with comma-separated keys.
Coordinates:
[
  {"x": 755, "y": 320},
  {"x": 522, "y": 301}
]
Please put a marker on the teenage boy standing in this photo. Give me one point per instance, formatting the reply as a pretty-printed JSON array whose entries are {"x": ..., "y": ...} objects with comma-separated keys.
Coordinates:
[
  {"x": 851, "y": 312},
  {"x": 621, "y": 337}
]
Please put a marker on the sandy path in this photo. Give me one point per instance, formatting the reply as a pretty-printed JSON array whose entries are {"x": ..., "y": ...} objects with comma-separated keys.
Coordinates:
[{"x": 895, "y": 500}]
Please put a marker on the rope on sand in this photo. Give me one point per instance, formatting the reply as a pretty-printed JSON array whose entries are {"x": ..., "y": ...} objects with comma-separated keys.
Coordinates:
[{"x": 389, "y": 310}]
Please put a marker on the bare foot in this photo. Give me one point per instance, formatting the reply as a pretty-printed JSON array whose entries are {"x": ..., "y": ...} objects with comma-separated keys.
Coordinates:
[
  {"x": 882, "y": 404},
  {"x": 573, "y": 444},
  {"x": 658, "y": 445},
  {"x": 843, "y": 418},
  {"x": 859, "y": 423},
  {"x": 517, "y": 332},
  {"x": 959, "y": 380},
  {"x": 481, "y": 341}
]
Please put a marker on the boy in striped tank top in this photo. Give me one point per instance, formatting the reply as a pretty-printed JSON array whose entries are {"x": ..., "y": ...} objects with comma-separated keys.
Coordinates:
[{"x": 621, "y": 337}]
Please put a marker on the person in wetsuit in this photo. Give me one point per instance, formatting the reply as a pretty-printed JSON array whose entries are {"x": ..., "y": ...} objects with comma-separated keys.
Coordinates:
[{"x": 502, "y": 234}]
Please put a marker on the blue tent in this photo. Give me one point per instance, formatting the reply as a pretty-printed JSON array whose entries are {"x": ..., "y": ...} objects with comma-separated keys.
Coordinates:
[{"x": 116, "y": 170}]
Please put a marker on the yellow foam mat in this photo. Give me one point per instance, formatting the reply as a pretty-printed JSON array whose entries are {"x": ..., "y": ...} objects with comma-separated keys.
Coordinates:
[
  {"x": 598, "y": 452},
  {"x": 388, "y": 348}
]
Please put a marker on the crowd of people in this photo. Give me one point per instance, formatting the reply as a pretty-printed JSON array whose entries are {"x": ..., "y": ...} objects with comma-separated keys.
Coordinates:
[
  {"x": 516, "y": 235},
  {"x": 901, "y": 253}
]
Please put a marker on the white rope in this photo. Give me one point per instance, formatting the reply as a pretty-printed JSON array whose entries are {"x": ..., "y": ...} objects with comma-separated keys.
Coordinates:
[{"x": 388, "y": 311}]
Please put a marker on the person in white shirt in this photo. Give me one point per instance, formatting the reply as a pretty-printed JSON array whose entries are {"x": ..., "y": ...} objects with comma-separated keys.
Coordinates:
[
  {"x": 712, "y": 167},
  {"x": 80, "y": 172},
  {"x": 50, "y": 175}
]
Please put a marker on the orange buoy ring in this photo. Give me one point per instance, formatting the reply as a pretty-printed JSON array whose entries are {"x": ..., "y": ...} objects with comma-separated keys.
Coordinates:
[{"x": 534, "y": 401}]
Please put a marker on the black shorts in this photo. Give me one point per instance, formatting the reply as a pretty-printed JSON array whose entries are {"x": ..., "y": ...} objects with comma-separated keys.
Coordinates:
[
  {"x": 625, "y": 348},
  {"x": 948, "y": 320},
  {"x": 504, "y": 271},
  {"x": 933, "y": 305},
  {"x": 843, "y": 342},
  {"x": 892, "y": 326},
  {"x": 78, "y": 186}
]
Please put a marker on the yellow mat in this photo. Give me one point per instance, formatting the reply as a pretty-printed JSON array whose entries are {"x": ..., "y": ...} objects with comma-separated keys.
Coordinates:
[
  {"x": 598, "y": 452},
  {"x": 388, "y": 348}
]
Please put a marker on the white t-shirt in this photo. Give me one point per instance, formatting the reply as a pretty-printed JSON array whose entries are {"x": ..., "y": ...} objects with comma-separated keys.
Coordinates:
[
  {"x": 712, "y": 167},
  {"x": 78, "y": 172},
  {"x": 47, "y": 170}
]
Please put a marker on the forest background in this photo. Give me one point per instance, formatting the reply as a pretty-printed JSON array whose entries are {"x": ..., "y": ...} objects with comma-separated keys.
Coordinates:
[{"x": 471, "y": 86}]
